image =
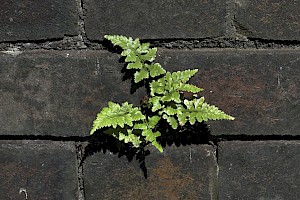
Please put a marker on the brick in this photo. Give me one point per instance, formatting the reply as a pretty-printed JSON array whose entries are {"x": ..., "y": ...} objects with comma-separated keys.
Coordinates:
[
  {"x": 36, "y": 20},
  {"x": 40, "y": 169},
  {"x": 58, "y": 93},
  {"x": 259, "y": 87},
  {"x": 155, "y": 19},
  {"x": 269, "y": 19},
  {"x": 179, "y": 173},
  {"x": 259, "y": 170}
]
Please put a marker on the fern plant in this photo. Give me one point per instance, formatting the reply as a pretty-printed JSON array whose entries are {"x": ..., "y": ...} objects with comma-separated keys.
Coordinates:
[{"x": 165, "y": 101}]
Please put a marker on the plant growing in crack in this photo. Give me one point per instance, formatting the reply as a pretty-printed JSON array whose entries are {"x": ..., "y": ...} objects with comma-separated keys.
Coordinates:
[{"x": 139, "y": 126}]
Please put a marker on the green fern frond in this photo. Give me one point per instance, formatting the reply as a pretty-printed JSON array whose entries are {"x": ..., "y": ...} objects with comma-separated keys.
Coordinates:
[
  {"x": 150, "y": 55},
  {"x": 124, "y": 134},
  {"x": 130, "y": 138},
  {"x": 192, "y": 111},
  {"x": 140, "y": 75},
  {"x": 171, "y": 120},
  {"x": 128, "y": 123},
  {"x": 151, "y": 136},
  {"x": 138, "y": 56},
  {"x": 155, "y": 104},
  {"x": 117, "y": 115},
  {"x": 147, "y": 130},
  {"x": 174, "y": 82},
  {"x": 198, "y": 110},
  {"x": 124, "y": 42}
]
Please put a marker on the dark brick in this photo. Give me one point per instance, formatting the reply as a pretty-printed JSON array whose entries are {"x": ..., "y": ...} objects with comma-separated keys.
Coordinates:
[
  {"x": 58, "y": 93},
  {"x": 269, "y": 19},
  {"x": 259, "y": 170},
  {"x": 155, "y": 19},
  {"x": 36, "y": 20},
  {"x": 45, "y": 170},
  {"x": 259, "y": 87},
  {"x": 188, "y": 172}
]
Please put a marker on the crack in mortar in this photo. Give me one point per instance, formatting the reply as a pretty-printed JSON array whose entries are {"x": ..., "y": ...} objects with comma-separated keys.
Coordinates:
[
  {"x": 76, "y": 43},
  {"x": 65, "y": 43},
  {"x": 222, "y": 42},
  {"x": 80, "y": 171},
  {"x": 214, "y": 186},
  {"x": 81, "y": 14},
  {"x": 234, "y": 37},
  {"x": 230, "y": 30}
]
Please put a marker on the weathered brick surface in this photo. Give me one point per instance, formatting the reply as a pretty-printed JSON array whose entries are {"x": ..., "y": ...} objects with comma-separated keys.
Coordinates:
[
  {"x": 58, "y": 93},
  {"x": 259, "y": 87},
  {"x": 259, "y": 170},
  {"x": 179, "y": 173},
  {"x": 269, "y": 19},
  {"x": 155, "y": 19},
  {"x": 39, "y": 19},
  {"x": 42, "y": 170}
]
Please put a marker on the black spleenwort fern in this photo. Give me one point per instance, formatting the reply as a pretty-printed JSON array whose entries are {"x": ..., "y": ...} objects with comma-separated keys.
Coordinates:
[{"x": 138, "y": 125}]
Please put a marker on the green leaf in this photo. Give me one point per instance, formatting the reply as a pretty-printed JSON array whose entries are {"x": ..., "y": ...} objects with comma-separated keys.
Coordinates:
[
  {"x": 156, "y": 70},
  {"x": 130, "y": 138},
  {"x": 190, "y": 88},
  {"x": 170, "y": 111},
  {"x": 182, "y": 118},
  {"x": 153, "y": 121},
  {"x": 192, "y": 117},
  {"x": 172, "y": 83},
  {"x": 136, "y": 43},
  {"x": 131, "y": 57},
  {"x": 155, "y": 103},
  {"x": 171, "y": 120},
  {"x": 126, "y": 52},
  {"x": 150, "y": 56},
  {"x": 140, "y": 75},
  {"x": 158, "y": 146},
  {"x": 116, "y": 115},
  {"x": 150, "y": 136},
  {"x": 136, "y": 65},
  {"x": 172, "y": 96},
  {"x": 144, "y": 48},
  {"x": 122, "y": 41},
  {"x": 142, "y": 126},
  {"x": 157, "y": 87},
  {"x": 198, "y": 110},
  {"x": 185, "y": 75}
]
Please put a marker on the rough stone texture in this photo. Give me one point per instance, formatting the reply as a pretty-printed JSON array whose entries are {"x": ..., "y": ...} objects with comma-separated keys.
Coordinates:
[
  {"x": 42, "y": 170},
  {"x": 269, "y": 19},
  {"x": 58, "y": 93},
  {"x": 259, "y": 87},
  {"x": 154, "y": 19},
  {"x": 259, "y": 170},
  {"x": 36, "y": 20},
  {"x": 179, "y": 173}
]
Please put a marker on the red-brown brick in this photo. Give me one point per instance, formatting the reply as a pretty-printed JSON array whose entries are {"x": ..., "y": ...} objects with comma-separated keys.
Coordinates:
[
  {"x": 186, "y": 172},
  {"x": 259, "y": 87}
]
